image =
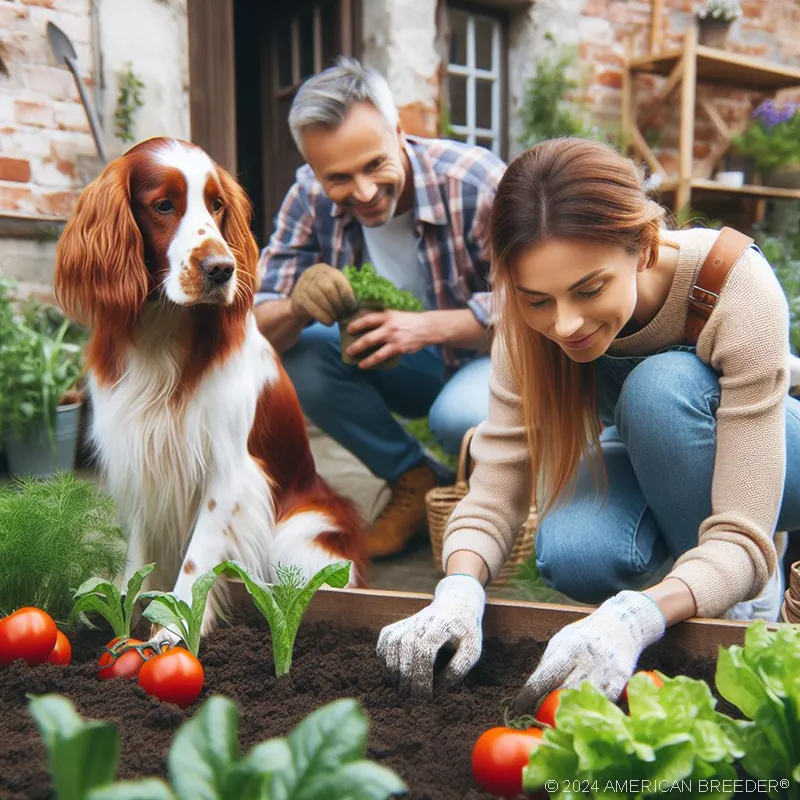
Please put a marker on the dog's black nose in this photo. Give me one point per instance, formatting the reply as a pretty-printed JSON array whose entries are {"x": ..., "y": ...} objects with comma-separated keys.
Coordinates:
[{"x": 218, "y": 268}]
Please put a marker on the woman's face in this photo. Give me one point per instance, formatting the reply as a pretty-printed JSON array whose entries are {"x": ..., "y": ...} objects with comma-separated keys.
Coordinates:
[{"x": 578, "y": 295}]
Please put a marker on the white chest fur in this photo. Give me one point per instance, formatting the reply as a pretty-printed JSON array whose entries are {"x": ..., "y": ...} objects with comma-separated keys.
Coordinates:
[{"x": 161, "y": 457}]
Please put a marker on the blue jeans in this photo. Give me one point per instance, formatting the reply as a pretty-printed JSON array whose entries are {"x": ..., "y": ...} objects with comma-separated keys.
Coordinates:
[
  {"x": 659, "y": 457},
  {"x": 354, "y": 406}
]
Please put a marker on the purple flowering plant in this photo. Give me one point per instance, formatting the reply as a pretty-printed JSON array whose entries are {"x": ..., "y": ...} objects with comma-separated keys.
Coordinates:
[{"x": 773, "y": 136}]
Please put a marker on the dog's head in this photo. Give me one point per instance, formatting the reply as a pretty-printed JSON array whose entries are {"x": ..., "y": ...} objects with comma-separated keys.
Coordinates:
[{"x": 162, "y": 221}]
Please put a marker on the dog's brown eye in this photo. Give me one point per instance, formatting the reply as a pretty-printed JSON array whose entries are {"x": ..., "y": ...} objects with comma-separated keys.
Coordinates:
[
  {"x": 217, "y": 205},
  {"x": 164, "y": 206}
]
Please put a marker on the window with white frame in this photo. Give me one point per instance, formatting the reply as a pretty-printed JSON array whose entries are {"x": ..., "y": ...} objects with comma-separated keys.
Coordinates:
[{"x": 474, "y": 78}]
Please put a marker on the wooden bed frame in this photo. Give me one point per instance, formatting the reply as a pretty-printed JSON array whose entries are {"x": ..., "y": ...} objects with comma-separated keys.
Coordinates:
[{"x": 509, "y": 620}]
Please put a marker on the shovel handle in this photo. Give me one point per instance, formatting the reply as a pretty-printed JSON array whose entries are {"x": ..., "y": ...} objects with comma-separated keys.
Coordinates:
[{"x": 94, "y": 124}]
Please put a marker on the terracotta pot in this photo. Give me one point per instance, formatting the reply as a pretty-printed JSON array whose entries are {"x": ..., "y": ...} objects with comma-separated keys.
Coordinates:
[
  {"x": 347, "y": 338},
  {"x": 713, "y": 33}
]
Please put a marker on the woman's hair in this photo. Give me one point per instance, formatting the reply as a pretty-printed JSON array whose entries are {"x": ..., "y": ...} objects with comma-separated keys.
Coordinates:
[{"x": 571, "y": 190}]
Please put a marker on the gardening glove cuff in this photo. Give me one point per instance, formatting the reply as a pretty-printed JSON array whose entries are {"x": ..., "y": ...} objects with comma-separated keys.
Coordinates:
[
  {"x": 603, "y": 648},
  {"x": 324, "y": 294},
  {"x": 454, "y": 619}
]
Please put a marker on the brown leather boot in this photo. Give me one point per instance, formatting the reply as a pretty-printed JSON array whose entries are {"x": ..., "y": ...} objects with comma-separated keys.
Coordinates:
[{"x": 404, "y": 515}]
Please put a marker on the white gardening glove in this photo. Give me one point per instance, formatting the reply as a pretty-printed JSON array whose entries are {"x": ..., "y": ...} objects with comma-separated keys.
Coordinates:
[
  {"x": 602, "y": 648},
  {"x": 453, "y": 619}
]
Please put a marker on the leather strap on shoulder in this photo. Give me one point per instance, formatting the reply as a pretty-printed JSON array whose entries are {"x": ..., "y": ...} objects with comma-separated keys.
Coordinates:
[{"x": 724, "y": 253}]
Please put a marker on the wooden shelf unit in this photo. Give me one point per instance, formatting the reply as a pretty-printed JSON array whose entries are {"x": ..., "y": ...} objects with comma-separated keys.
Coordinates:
[{"x": 691, "y": 67}]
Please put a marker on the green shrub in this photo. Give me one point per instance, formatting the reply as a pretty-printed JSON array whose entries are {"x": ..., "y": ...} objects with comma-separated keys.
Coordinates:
[{"x": 54, "y": 534}]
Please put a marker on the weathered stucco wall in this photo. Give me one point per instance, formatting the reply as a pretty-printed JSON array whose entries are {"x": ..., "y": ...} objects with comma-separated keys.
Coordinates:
[
  {"x": 47, "y": 153},
  {"x": 400, "y": 40}
]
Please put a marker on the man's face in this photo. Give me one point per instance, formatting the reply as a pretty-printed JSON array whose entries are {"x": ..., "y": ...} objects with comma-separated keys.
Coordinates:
[{"x": 360, "y": 164}]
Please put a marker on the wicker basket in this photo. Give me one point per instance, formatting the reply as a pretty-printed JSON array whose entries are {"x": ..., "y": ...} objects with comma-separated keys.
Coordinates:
[
  {"x": 442, "y": 501},
  {"x": 790, "y": 609}
]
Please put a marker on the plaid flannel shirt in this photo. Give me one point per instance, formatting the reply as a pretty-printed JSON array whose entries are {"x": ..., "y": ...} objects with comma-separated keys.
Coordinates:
[{"x": 454, "y": 187}]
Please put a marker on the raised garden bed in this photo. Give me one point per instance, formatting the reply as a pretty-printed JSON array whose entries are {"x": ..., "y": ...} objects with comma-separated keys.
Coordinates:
[{"x": 428, "y": 743}]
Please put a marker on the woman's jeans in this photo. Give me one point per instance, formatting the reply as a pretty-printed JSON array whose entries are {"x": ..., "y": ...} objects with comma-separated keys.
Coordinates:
[{"x": 659, "y": 458}]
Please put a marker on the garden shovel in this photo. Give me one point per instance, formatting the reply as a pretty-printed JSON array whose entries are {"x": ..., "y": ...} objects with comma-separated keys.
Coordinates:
[{"x": 63, "y": 51}]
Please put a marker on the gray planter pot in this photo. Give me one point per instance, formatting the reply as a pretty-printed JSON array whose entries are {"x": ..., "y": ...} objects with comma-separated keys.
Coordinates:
[{"x": 33, "y": 455}]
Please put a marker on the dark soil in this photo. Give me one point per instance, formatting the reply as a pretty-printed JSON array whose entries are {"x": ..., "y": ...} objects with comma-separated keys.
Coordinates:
[{"x": 427, "y": 743}]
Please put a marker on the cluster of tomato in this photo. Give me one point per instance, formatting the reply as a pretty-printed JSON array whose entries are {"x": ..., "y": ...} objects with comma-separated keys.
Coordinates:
[
  {"x": 32, "y": 635},
  {"x": 500, "y": 754},
  {"x": 174, "y": 675}
]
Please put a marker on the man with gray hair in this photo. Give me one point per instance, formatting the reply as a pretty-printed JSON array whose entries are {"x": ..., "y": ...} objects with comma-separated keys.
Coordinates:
[{"x": 418, "y": 211}]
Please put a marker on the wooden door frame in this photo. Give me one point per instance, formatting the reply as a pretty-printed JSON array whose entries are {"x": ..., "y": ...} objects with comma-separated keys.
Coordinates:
[
  {"x": 212, "y": 79},
  {"x": 212, "y": 74}
]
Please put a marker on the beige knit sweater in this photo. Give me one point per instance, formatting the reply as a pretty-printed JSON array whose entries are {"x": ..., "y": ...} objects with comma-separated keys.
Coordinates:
[{"x": 746, "y": 341}]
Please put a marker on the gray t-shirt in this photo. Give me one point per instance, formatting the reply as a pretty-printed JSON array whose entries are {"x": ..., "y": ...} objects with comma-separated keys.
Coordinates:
[{"x": 392, "y": 249}]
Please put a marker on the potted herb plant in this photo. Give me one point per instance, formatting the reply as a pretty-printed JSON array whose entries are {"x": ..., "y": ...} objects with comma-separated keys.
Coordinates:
[
  {"x": 714, "y": 21},
  {"x": 40, "y": 363},
  {"x": 773, "y": 141},
  {"x": 373, "y": 293}
]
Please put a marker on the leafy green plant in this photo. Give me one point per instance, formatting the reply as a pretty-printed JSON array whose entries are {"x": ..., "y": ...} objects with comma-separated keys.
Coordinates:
[
  {"x": 762, "y": 679},
  {"x": 284, "y": 604},
  {"x": 720, "y": 11},
  {"x": 102, "y": 597},
  {"x": 546, "y": 111},
  {"x": 671, "y": 734},
  {"x": 369, "y": 287},
  {"x": 783, "y": 254},
  {"x": 81, "y": 754},
  {"x": 773, "y": 136},
  {"x": 40, "y": 360},
  {"x": 129, "y": 101},
  {"x": 324, "y": 756},
  {"x": 54, "y": 535}
]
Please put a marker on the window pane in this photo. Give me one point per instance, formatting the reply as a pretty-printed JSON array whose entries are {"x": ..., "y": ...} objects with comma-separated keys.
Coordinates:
[
  {"x": 484, "y": 29},
  {"x": 485, "y": 142},
  {"x": 306, "y": 44},
  {"x": 483, "y": 104},
  {"x": 458, "y": 36},
  {"x": 459, "y": 137},
  {"x": 457, "y": 86}
]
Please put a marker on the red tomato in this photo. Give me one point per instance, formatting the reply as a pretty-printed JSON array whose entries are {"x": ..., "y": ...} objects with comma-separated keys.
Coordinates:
[
  {"x": 126, "y": 665},
  {"x": 650, "y": 674},
  {"x": 546, "y": 713},
  {"x": 29, "y": 633},
  {"x": 62, "y": 652},
  {"x": 499, "y": 756},
  {"x": 174, "y": 676}
]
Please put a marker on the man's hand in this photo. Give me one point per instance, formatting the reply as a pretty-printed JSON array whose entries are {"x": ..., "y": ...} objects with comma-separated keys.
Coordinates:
[
  {"x": 603, "y": 648},
  {"x": 454, "y": 619},
  {"x": 392, "y": 332},
  {"x": 324, "y": 294}
]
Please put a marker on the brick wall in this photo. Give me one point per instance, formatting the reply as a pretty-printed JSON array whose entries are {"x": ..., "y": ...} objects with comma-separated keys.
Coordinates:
[
  {"x": 43, "y": 129},
  {"x": 768, "y": 29}
]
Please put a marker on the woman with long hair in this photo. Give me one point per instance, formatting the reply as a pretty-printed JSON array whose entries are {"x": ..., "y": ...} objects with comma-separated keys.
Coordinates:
[{"x": 661, "y": 466}]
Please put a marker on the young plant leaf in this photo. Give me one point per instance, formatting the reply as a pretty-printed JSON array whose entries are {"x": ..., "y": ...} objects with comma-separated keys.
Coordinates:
[
  {"x": 284, "y": 604},
  {"x": 133, "y": 591},
  {"x": 147, "y": 789},
  {"x": 327, "y": 750},
  {"x": 204, "y": 751},
  {"x": 81, "y": 754},
  {"x": 103, "y": 597},
  {"x": 169, "y": 611}
]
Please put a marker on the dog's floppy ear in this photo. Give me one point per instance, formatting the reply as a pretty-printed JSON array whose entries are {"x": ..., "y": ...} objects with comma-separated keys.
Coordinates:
[
  {"x": 236, "y": 229},
  {"x": 100, "y": 270}
]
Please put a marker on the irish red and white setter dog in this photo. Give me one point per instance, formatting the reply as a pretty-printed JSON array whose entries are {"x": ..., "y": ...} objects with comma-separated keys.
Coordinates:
[{"x": 196, "y": 425}]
